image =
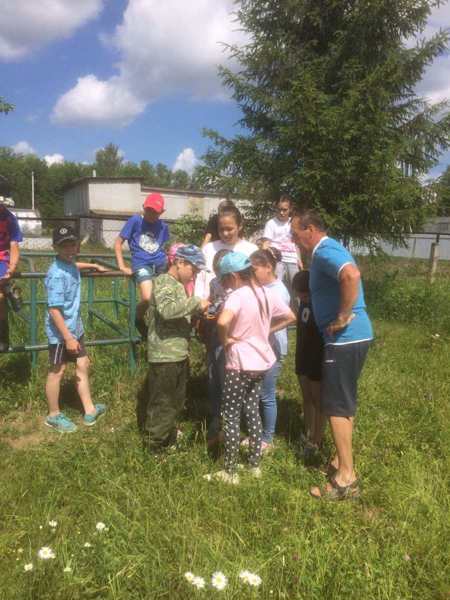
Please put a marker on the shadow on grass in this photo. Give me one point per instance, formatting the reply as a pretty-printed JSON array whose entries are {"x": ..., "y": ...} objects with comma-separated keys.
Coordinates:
[{"x": 15, "y": 369}]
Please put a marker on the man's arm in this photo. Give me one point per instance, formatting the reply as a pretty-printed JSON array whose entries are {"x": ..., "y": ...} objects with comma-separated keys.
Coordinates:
[
  {"x": 71, "y": 343},
  {"x": 349, "y": 278}
]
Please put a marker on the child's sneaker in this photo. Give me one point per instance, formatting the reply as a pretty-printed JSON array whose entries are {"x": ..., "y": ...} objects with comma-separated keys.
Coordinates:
[
  {"x": 223, "y": 476},
  {"x": 90, "y": 420},
  {"x": 61, "y": 423},
  {"x": 245, "y": 443}
]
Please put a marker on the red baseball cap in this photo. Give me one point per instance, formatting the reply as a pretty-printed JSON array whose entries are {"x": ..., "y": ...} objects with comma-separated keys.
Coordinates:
[{"x": 154, "y": 201}]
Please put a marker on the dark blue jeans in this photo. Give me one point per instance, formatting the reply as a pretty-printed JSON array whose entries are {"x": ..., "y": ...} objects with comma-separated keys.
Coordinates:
[{"x": 268, "y": 402}]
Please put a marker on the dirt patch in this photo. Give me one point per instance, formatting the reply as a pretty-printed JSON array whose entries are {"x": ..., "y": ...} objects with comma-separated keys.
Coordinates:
[{"x": 23, "y": 431}]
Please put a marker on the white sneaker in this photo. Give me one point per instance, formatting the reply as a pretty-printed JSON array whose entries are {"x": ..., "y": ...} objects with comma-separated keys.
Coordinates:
[
  {"x": 223, "y": 476},
  {"x": 245, "y": 443}
]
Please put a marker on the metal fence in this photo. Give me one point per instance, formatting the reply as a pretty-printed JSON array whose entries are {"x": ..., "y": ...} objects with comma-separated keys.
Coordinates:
[{"x": 125, "y": 333}]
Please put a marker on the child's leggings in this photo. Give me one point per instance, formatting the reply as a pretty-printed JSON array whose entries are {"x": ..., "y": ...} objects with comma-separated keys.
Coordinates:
[{"x": 241, "y": 394}]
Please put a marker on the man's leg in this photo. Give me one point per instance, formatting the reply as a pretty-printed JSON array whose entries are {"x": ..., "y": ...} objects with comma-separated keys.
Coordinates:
[{"x": 342, "y": 431}]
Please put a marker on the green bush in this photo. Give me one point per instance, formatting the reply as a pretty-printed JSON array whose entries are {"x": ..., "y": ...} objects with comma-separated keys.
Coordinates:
[{"x": 392, "y": 296}]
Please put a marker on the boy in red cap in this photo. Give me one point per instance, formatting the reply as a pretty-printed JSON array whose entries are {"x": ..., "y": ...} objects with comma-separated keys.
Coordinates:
[{"x": 146, "y": 236}]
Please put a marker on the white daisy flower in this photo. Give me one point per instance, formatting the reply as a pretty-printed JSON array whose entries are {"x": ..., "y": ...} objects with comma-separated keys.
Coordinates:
[
  {"x": 198, "y": 582},
  {"x": 53, "y": 524},
  {"x": 100, "y": 526},
  {"x": 87, "y": 545},
  {"x": 67, "y": 569},
  {"x": 28, "y": 567},
  {"x": 19, "y": 550},
  {"x": 244, "y": 576},
  {"x": 189, "y": 576},
  {"x": 219, "y": 581},
  {"x": 254, "y": 580},
  {"x": 45, "y": 553}
]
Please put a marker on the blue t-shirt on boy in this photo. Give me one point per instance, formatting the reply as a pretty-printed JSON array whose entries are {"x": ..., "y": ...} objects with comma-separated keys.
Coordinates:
[
  {"x": 63, "y": 284},
  {"x": 329, "y": 257},
  {"x": 146, "y": 241}
]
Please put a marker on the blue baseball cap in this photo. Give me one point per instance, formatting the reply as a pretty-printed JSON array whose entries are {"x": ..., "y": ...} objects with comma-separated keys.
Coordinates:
[
  {"x": 233, "y": 262},
  {"x": 192, "y": 254}
]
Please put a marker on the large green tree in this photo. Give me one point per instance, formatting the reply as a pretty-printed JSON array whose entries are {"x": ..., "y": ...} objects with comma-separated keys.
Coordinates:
[
  {"x": 108, "y": 161},
  {"x": 330, "y": 114},
  {"x": 5, "y": 107}
]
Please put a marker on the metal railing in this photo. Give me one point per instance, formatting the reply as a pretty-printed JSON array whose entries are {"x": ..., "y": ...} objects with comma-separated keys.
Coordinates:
[{"x": 30, "y": 313}]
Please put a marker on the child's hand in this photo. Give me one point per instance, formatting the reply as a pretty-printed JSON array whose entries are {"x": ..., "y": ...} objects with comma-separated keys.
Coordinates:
[
  {"x": 126, "y": 270},
  {"x": 204, "y": 305},
  {"x": 100, "y": 268},
  {"x": 72, "y": 345}
]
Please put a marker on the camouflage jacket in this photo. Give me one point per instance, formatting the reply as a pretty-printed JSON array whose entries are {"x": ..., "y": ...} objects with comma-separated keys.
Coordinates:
[{"x": 169, "y": 324}]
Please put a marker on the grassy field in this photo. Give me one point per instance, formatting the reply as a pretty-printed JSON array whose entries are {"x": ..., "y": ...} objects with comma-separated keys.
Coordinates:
[{"x": 163, "y": 520}]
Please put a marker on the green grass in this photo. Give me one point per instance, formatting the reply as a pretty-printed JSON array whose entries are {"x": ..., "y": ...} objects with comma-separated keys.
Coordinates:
[{"x": 163, "y": 519}]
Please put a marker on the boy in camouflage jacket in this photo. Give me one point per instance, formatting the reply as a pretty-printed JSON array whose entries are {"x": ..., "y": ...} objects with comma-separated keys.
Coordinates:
[{"x": 169, "y": 328}]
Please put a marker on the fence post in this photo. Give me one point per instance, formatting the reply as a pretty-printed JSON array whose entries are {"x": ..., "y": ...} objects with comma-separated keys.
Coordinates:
[
  {"x": 131, "y": 325},
  {"x": 434, "y": 258},
  {"x": 33, "y": 320}
]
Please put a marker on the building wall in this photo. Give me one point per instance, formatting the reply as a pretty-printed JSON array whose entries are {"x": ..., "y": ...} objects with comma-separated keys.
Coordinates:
[
  {"x": 115, "y": 196},
  {"x": 76, "y": 200}
]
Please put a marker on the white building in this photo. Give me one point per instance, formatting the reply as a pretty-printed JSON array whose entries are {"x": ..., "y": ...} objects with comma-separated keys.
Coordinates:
[{"x": 95, "y": 197}]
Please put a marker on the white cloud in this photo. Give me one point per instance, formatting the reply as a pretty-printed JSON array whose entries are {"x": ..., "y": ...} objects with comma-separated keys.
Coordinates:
[
  {"x": 26, "y": 25},
  {"x": 54, "y": 159},
  {"x": 23, "y": 147},
  {"x": 165, "y": 48},
  {"x": 92, "y": 101},
  {"x": 186, "y": 161}
]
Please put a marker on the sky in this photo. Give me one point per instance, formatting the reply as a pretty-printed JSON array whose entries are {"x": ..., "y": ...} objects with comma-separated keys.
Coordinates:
[{"x": 141, "y": 74}]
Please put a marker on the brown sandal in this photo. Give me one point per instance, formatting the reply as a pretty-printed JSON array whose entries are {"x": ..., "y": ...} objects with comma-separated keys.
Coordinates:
[{"x": 337, "y": 492}]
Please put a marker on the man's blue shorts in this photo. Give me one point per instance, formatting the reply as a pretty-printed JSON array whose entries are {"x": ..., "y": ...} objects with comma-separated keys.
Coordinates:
[{"x": 148, "y": 272}]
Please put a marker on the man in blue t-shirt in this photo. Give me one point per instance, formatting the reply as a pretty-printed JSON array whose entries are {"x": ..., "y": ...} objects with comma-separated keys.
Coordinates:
[
  {"x": 10, "y": 237},
  {"x": 340, "y": 312},
  {"x": 146, "y": 236}
]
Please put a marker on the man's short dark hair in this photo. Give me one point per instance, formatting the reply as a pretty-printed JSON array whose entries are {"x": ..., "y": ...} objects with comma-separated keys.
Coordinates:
[{"x": 310, "y": 217}]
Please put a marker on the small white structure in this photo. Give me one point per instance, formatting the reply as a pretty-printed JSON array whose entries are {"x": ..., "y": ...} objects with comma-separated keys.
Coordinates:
[
  {"x": 30, "y": 222},
  {"x": 110, "y": 197}
]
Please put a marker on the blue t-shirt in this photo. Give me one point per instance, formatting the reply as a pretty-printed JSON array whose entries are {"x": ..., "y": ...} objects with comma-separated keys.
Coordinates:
[
  {"x": 9, "y": 232},
  {"x": 329, "y": 257},
  {"x": 63, "y": 284},
  {"x": 279, "y": 339},
  {"x": 146, "y": 241}
]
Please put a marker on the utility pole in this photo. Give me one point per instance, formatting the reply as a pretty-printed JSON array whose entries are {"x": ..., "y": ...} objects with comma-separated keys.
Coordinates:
[{"x": 32, "y": 190}]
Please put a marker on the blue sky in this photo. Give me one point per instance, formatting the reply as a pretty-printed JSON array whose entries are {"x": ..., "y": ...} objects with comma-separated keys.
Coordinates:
[{"x": 139, "y": 73}]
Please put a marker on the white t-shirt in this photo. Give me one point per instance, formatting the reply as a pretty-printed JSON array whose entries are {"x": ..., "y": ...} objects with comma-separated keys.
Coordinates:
[
  {"x": 279, "y": 233},
  {"x": 203, "y": 279}
]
